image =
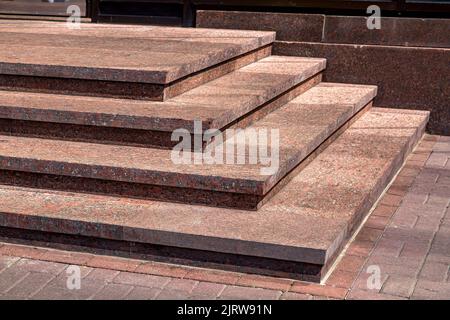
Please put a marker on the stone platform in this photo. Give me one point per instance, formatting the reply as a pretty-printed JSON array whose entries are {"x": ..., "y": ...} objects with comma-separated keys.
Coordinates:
[
  {"x": 79, "y": 166},
  {"x": 139, "y": 62}
]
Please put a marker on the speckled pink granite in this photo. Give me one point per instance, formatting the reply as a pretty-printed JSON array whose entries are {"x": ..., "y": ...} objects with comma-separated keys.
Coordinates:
[
  {"x": 146, "y": 54},
  {"x": 216, "y": 103},
  {"x": 303, "y": 125}
]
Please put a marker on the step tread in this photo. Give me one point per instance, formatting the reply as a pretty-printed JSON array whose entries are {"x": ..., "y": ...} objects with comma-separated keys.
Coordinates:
[
  {"x": 216, "y": 103},
  {"x": 340, "y": 184},
  {"x": 148, "y": 54},
  {"x": 303, "y": 125}
]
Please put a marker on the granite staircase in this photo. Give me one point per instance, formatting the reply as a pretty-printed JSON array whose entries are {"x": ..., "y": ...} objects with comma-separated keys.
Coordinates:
[{"x": 86, "y": 146}]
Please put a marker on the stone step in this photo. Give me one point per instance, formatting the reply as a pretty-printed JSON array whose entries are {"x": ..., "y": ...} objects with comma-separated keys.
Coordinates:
[
  {"x": 140, "y": 62},
  {"x": 303, "y": 125},
  {"x": 297, "y": 234},
  {"x": 249, "y": 92}
]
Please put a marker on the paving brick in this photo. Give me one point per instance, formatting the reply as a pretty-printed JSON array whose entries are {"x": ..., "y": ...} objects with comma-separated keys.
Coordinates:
[
  {"x": 30, "y": 285},
  {"x": 442, "y": 146},
  {"x": 396, "y": 266},
  {"x": 434, "y": 271},
  {"x": 391, "y": 200},
  {"x": 377, "y": 222},
  {"x": 398, "y": 190},
  {"x": 388, "y": 247},
  {"x": 237, "y": 293},
  {"x": 167, "y": 294},
  {"x": 213, "y": 276},
  {"x": 368, "y": 295},
  {"x": 41, "y": 266},
  {"x": 368, "y": 234},
  {"x": 104, "y": 275},
  {"x": 318, "y": 290},
  {"x": 421, "y": 210},
  {"x": 437, "y": 159},
  {"x": 113, "y": 291},
  {"x": 54, "y": 290},
  {"x": 408, "y": 234},
  {"x": 21, "y": 251},
  {"x": 265, "y": 282},
  {"x": 113, "y": 263},
  {"x": 439, "y": 200},
  {"x": 162, "y": 269},
  {"x": 143, "y": 280},
  {"x": 75, "y": 258},
  {"x": 404, "y": 181},
  {"x": 351, "y": 264},
  {"x": 183, "y": 285},
  {"x": 414, "y": 250},
  {"x": 418, "y": 157},
  {"x": 10, "y": 276},
  {"x": 384, "y": 211},
  {"x": 427, "y": 223},
  {"x": 427, "y": 176},
  {"x": 360, "y": 248},
  {"x": 208, "y": 289},
  {"x": 143, "y": 293},
  {"x": 404, "y": 220},
  {"x": 431, "y": 290},
  {"x": 366, "y": 280},
  {"x": 62, "y": 279},
  {"x": 399, "y": 286},
  {"x": 295, "y": 296},
  {"x": 7, "y": 261},
  {"x": 440, "y": 253},
  {"x": 409, "y": 172},
  {"x": 341, "y": 279},
  {"x": 416, "y": 196}
]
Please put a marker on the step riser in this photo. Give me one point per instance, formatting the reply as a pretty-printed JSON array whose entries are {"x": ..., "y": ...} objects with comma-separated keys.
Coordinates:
[
  {"x": 128, "y": 90},
  {"x": 11, "y": 125},
  {"x": 131, "y": 190},
  {"x": 56, "y": 176},
  {"x": 158, "y": 253}
]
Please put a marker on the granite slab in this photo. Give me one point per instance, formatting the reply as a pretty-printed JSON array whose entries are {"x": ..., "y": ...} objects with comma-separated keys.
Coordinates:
[
  {"x": 216, "y": 104},
  {"x": 303, "y": 125},
  {"x": 146, "y": 54}
]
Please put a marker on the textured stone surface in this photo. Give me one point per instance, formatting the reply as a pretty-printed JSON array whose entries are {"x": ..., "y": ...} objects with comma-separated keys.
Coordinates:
[
  {"x": 147, "y": 54},
  {"x": 128, "y": 89},
  {"x": 303, "y": 125},
  {"x": 216, "y": 103},
  {"x": 342, "y": 183},
  {"x": 117, "y": 130},
  {"x": 409, "y": 78}
]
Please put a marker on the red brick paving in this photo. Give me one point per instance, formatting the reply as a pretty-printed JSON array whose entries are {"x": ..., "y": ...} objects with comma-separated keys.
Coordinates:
[{"x": 406, "y": 238}]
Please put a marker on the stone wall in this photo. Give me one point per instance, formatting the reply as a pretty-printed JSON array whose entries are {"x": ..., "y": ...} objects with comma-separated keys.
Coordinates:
[{"x": 408, "y": 58}]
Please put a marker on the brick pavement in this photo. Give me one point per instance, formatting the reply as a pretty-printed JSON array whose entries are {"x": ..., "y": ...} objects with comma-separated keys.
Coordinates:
[{"x": 402, "y": 249}]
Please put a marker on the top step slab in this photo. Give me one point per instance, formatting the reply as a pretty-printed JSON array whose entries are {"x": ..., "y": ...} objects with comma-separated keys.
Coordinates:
[{"x": 131, "y": 54}]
